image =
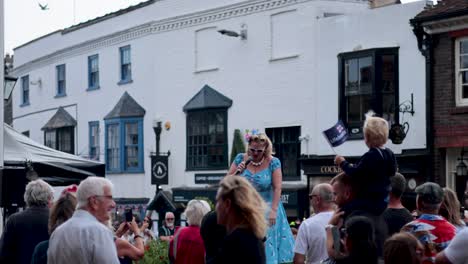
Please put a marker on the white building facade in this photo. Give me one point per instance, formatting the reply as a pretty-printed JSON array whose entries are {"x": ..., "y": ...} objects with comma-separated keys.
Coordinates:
[{"x": 97, "y": 89}]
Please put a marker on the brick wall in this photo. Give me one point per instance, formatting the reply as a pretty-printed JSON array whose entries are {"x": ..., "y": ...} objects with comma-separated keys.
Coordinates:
[{"x": 450, "y": 122}]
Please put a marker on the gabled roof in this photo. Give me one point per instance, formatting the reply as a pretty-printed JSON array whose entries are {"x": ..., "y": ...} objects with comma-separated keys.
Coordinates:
[
  {"x": 443, "y": 9},
  {"x": 60, "y": 119},
  {"x": 207, "y": 97},
  {"x": 162, "y": 202},
  {"x": 126, "y": 107}
]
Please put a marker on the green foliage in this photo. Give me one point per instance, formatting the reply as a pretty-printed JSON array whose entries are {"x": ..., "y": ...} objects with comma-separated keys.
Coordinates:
[
  {"x": 238, "y": 145},
  {"x": 156, "y": 252}
]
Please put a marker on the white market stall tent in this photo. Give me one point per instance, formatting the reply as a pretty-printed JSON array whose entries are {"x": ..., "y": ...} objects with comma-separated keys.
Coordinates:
[{"x": 55, "y": 167}]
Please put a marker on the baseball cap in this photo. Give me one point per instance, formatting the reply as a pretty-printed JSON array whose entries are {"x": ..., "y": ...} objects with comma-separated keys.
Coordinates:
[{"x": 430, "y": 193}]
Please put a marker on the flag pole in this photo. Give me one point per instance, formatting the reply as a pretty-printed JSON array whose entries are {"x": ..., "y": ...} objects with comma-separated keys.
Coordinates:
[{"x": 326, "y": 139}]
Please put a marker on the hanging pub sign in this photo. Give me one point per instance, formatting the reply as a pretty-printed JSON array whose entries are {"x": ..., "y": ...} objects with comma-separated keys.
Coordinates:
[{"x": 159, "y": 170}]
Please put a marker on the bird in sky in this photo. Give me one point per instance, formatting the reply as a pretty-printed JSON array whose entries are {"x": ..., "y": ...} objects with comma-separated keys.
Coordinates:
[{"x": 43, "y": 7}]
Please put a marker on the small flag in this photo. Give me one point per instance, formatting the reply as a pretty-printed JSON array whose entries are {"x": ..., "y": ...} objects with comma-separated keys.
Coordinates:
[{"x": 337, "y": 134}]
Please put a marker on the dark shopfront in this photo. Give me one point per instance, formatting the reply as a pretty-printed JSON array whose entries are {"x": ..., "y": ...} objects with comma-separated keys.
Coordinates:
[
  {"x": 294, "y": 198},
  {"x": 414, "y": 165}
]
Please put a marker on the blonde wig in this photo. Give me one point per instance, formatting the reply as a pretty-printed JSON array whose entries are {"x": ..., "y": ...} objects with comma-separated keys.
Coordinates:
[
  {"x": 375, "y": 131},
  {"x": 264, "y": 140},
  {"x": 450, "y": 208},
  {"x": 246, "y": 203}
]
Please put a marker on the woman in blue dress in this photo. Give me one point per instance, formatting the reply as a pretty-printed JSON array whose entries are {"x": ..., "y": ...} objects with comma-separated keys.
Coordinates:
[{"x": 264, "y": 172}]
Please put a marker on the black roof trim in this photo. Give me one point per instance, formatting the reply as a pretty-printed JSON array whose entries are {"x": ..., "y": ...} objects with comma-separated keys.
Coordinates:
[
  {"x": 107, "y": 16},
  {"x": 92, "y": 21}
]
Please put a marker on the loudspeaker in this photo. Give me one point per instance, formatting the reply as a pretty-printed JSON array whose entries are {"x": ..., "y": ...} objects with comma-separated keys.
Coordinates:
[{"x": 12, "y": 186}]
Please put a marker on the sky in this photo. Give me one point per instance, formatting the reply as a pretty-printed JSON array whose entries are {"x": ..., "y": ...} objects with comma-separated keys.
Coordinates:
[{"x": 25, "y": 21}]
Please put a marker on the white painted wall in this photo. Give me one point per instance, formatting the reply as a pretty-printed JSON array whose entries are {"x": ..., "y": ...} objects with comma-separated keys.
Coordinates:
[
  {"x": 266, "y": 93},
  {"x": 371, "y": 29}
]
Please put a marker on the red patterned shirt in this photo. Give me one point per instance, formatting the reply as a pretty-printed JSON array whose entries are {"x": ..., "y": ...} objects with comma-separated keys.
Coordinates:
[{"x": 434, "y": 232}]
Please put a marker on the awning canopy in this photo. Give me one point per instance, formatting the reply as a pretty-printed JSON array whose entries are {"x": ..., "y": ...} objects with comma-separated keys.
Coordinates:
[{"x": 55, "y": 167}]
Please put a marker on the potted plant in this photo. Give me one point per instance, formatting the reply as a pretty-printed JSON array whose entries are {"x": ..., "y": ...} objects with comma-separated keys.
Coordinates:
[
  {"x": 156, "y": 252},
  {"x": 238, "y": 145}
]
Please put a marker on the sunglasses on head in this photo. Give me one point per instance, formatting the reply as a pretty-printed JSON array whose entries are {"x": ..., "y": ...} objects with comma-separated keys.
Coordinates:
[{"x": 258, "y": 138}]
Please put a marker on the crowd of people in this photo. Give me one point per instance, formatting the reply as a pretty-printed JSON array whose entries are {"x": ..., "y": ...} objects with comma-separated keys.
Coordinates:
[{"x": 358, "y": 217}]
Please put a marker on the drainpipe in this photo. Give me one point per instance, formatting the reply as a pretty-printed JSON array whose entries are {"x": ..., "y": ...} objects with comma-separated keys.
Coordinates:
[{"x": 426, "y": 45}]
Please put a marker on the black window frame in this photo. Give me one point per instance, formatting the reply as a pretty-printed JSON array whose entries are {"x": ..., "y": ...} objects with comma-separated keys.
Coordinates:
[
  {"x": 224, "y": 163},
  {"x": 284, "y": 138},
  {"x": 376, "y": 82},
  {"x": 58, "y": 135}
]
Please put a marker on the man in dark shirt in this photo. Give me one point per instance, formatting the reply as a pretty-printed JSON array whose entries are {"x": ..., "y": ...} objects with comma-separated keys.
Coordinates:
[
  {"x": 24, "y": 230},
  {"x": 396, "y": 215},
  {"x": 166, "y": 232},
  {"x": 345, "y": 194}
]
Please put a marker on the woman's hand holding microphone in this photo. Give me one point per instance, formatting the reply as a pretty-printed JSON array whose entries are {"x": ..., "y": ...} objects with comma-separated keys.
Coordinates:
[{"x": 243, "y": 165}]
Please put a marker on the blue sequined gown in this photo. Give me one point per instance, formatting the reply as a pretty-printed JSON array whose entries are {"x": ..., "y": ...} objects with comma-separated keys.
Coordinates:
[{"x": 279, "y": 245}]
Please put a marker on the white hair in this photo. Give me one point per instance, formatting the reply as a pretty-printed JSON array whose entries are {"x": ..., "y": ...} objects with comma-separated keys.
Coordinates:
[
  {"x": 206, "y": 204},
  {"x": 167, "y": 214},
  {"x": 38, "y": 193},
  {"x": 195, "y": 211},
  {"x": 91, "y": 186}
]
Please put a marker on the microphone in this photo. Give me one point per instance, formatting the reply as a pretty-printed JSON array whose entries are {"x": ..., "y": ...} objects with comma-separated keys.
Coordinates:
[{"x": 239, "y": 171}]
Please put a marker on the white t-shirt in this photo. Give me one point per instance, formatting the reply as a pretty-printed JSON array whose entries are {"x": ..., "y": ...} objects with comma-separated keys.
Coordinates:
[
  {"x": 456, "y": 251},
  {"x": 311, "y": 238}
]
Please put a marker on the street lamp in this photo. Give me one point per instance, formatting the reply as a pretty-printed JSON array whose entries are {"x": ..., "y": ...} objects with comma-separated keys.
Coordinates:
[
  {"x": 157, "y": 127},
  {"x": 231, "y": 33},
  {"x": 8, "y": 85}
]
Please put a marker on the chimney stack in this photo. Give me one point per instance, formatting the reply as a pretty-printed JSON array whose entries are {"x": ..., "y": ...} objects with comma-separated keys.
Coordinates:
[{"x": 382, "y": 3}]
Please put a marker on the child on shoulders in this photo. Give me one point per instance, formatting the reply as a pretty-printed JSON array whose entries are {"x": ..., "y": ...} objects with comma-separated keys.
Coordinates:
[{"x": 370, "y": 176}]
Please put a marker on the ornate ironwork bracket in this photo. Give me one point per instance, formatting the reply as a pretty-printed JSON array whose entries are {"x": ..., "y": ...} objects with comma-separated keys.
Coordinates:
[{"x": 407, "y": 106}]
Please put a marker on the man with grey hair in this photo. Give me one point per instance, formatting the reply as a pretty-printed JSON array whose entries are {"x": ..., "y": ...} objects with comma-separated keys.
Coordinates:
[
  {"x": 431, "y": 229},
  {"x": 311, "y": 238},
  {"x": 24, "y": 230},
  {"x": 85, "y": 238},
  {"x": 396, "y": 215},
  {"x": 166, "y": 231}
]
